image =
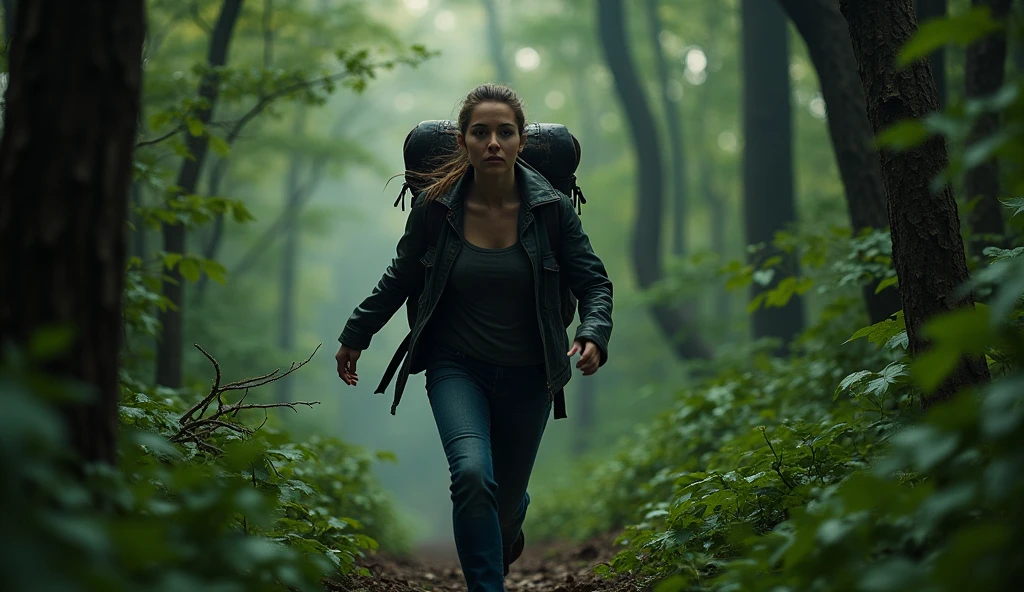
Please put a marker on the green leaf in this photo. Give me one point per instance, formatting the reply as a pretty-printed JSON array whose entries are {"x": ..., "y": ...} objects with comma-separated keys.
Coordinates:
[
  {"x": 903, "y": 135},
  {"x": 763, "y": 277},
  {"x": 189, "y": 269},
  {"x": 171, "y": 259},
  {"x": 51, "y": 341},
  {"x": 889, "y": 281},
  {"x": 195, "y": 127},
  {"x": 218, "y": 145},
  {"x": 214, "y": 270},
  {"x": 1014, "y": 203},
  {"x": 962, "y": 29}
]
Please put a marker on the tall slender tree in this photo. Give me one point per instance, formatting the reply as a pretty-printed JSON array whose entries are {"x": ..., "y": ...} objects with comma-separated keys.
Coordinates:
[
  {"x": 290, "y": 252},
  {"x": 928, "y": 252},
  {"x": 676, "y": 323},
  {"x": 984, "y": 74},
  {"x": 170, "y": 347},
  {"x": 677, "y": 162},
  {"x": 65, "y": 170},
  {"x": 824, "y": 30},
  {"x": 768, "y": 201},
  {"x": 495, "y": 43}
]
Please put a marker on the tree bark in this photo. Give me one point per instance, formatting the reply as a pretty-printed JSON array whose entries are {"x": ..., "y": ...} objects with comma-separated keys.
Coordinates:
[
  {"x": 824, "y": 30},
  {"x": 984, "y": 74},
  {"x": 496, "y": 44},
  {"x": 65, "y": 171},
  {"x": 768, "y": 204},
  {"x": 290, "y": 254},
  {"x": 705, "y": 179},
  {"x": 928, "y": 251},
  {"x": 677, "y": 324},
  {"x": 9, "y": 19},
  {"x": 676, "y": 147},
  {"x": 170, "y": 347},
  {"x": 926, "y": 10}
]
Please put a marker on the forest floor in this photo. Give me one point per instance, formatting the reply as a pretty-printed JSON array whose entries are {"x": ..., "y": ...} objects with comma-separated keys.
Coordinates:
[{"x": 546, "y": 567}]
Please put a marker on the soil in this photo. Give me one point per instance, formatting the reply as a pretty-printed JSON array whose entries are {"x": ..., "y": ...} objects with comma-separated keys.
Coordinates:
[{"x": 545, "y": 567}]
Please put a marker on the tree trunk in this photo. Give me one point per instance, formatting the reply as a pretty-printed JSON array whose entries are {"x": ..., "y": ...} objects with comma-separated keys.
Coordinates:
[
  {"x": 495, "y": 43},
  {"x": 677, "y": 150},
  {"x": 65, "y": 171},
  {"x": 824, "y": 30},
  {"x": 768, "y": 204},
  {"x": 290, "y": 253},
  {"x": 170, "y": 348},
  {"x": 926, "y": 10},
  {"x": 140, "y": 245},
  {"x": 927, "y": 249},
  {"x": 705, "y": 179},
  {"x": 984, "y": 74},
  {"x": 677, "y": 324},
  {"x": 9, "y": 16},
  {"x": 212, "y": 246}
]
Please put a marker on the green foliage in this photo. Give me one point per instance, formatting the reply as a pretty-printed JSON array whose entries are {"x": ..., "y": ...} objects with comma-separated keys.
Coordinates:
[
  {"x": 755, "y": 480},
  {"x": 238, "y": 510}
]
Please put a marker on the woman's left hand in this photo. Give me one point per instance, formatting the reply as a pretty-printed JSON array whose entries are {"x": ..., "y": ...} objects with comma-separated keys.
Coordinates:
[{"x": 590, "y": 360}]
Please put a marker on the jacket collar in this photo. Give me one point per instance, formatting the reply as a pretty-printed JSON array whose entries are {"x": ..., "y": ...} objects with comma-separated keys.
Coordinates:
[{"x": 534, "y": 189}]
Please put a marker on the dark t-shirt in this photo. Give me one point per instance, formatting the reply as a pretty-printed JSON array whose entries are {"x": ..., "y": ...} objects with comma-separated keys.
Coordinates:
[{"x": 488, "y": 307}]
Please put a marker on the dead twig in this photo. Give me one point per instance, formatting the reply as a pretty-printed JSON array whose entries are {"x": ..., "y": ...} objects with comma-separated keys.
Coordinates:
[{"x": 195, "y": 426}]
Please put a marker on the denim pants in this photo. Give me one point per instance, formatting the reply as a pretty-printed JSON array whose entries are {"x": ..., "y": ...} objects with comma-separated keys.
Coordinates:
[{"x": 490, "y": 419}]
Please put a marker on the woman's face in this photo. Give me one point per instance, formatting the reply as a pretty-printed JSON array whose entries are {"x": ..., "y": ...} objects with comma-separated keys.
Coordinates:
[{"x": 492, "y": 139}]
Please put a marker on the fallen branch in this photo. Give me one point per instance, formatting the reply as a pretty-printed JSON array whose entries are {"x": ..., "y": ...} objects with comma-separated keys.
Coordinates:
[{"x": 196, "y": 427}]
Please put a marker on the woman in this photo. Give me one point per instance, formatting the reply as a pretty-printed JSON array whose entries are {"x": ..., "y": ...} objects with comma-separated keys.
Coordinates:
[{"x": 486, "y": 325}]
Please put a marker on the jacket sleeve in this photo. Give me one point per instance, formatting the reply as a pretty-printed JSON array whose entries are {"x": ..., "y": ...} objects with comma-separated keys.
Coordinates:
[
  {"x": 588, "y": 280},
  {"x": 402, "y": 279}
]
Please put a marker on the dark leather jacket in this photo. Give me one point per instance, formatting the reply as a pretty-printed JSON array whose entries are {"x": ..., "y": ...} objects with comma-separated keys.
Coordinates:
[{"x": 418, "y": 273}]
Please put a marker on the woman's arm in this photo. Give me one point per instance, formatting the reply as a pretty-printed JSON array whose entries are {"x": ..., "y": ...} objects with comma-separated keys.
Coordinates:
[
  {"x": 403, "y": 277},
  {"x": 588, "y": 280}
]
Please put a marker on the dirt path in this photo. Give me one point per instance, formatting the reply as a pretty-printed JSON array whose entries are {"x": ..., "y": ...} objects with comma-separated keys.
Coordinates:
[{"x": 542, "y": 568}]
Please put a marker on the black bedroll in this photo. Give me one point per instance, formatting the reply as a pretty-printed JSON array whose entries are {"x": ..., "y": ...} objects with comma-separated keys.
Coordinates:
[{"x": 550, "y": 149}]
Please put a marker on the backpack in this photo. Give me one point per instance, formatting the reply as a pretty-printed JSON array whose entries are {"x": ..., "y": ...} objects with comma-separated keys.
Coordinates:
[{"x": 550, "y": 150}]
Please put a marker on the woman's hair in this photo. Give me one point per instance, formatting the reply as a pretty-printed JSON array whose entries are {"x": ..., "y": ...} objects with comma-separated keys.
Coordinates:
[{"x": 449, "y": 169}]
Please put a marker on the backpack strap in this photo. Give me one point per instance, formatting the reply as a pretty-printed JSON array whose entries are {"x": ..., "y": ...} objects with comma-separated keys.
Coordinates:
[{"x": 435, "y": 219}]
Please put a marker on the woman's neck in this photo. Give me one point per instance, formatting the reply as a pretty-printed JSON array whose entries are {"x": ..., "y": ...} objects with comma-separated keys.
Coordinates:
[{"x": 494, "y": 192}]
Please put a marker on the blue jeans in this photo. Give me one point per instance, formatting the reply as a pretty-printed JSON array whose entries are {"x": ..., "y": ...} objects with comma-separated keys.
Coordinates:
[{"x": 491, "y": 420}]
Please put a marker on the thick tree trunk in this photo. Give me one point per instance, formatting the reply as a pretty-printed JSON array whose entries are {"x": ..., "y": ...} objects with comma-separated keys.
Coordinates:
[
  {"x": 927, "y": 249},
  {"x": 290, "y": 254},
  {"x": 984, "y": 74},
  {"x": 676, "y": 148},
  {"x": 824, "y": 30},
  {"x": 677, "y": 324},
  {"x": 927, "y": 10},
  {"x": 170, "y": 348},
  {"x": 65, "y": 172},
  {"x": 495, "y": 43},
  {"x": 768, "y": 204}
]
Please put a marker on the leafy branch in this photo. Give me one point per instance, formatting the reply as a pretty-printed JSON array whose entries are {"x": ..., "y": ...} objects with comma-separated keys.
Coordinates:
[{"x": 196, "y": 428}]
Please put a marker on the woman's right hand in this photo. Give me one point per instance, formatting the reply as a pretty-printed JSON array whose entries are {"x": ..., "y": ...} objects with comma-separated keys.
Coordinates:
[{"x": 347, "y": 357}]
